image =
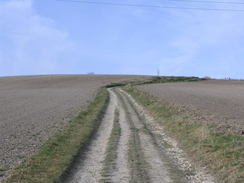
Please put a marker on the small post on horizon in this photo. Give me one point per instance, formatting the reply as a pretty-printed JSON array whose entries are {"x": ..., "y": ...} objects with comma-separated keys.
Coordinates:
[{"x": 158, "y": 72}]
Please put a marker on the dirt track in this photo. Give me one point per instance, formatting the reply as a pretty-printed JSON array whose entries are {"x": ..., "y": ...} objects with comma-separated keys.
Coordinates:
[
  {"x": 218, "y": 101},
  {"x": 33, "y": 107},
  {"x": 144, "y": 154}
]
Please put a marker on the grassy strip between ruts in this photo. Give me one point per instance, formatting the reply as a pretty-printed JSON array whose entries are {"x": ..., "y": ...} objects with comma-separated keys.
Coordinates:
[
  {"x": 109, "y": 163},
  {"x": 136, "y": 157},
  {"x": 222, "y": 153},
  {"x": 57, "y": 154}
]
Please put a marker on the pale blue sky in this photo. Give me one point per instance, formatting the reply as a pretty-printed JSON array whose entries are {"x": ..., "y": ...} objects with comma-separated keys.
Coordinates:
[{"x": 52, "y": 37}]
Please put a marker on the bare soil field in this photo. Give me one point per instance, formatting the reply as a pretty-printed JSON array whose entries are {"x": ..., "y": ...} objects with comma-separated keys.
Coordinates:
[
  {"x": 217, "y": 101},
  {"x": 34, "y": 107}
]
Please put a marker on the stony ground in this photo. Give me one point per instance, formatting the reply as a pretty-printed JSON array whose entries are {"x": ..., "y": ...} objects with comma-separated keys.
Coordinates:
[
  {"x": 33, "y": 107},
  {"x": 143, "y": 154},
  {"x": 215, "y": 101}
]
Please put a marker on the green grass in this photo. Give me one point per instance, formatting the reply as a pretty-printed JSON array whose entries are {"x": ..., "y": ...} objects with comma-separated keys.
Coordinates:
[
  {"x": 164, "y": 79},
  {"x": 57, "y": 154},
  {"x": 167, "y": 79},
  {"x": 223, "y": 153},
  {"x": 115, "y": 84},
  {"x": 156, "y": 79}
]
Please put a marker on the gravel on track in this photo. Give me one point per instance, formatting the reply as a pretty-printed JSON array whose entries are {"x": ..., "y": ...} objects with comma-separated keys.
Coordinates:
[
  {"x": 88, "y": 167},
  {"x": 153, "y": 166},
  {"x": 213, "y": 101},
  {"x": 122, "y": 172},
  {"x": 143, "y": 148},
  {"x": 180, "y": 167},
  {"x": 32, "y": 108}
]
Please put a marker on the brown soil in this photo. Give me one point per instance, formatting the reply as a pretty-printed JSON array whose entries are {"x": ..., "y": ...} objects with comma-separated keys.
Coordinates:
[
  {"x": 34, "y": 107},
  {"x": 214, "y": 101}
]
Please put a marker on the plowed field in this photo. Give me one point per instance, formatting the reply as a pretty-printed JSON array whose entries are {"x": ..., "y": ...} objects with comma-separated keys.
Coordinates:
[
  {"x": 220, "y": 100},
  {"x": 33, "y": 107}
]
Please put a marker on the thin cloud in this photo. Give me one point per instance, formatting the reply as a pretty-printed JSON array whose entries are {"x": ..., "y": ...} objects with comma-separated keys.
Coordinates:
[
  {"x": 30, "y": 43},
  {"x": 206, "y": 44}
]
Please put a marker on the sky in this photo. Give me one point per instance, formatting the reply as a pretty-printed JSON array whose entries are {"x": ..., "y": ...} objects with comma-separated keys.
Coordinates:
[{"x": 57, "y": 37}]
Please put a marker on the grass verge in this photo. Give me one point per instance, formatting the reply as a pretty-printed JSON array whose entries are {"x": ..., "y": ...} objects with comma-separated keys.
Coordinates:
[
  {"x": 57, "y": 154},
  {"x": 222, "y": 153},
  {"x": 156, "y": 79}
]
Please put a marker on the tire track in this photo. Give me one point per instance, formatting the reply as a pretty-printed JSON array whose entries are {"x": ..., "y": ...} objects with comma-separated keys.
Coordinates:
[
  {"x": 181, "y": 167},
  {"x": 151, "y": 163},
  {"x": 136, "y": 159},
  {"x": 171, "y": 171},
  {"x": 129, "y": 147},
  {"x": 109, "y": 163},
  {"x": 90, "y": 165},
  {"x": 121, "y": 173}
]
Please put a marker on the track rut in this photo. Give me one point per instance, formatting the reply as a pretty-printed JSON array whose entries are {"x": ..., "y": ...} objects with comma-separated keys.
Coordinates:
[{"x": 130, "y": 146}]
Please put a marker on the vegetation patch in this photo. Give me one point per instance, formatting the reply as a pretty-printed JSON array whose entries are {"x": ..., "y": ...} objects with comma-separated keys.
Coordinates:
[
  {"x": 57, "y": 154},
  {"x": 164, "y": 79},
  {"x": 222, "y": 152},
  {"x": 167, "y": 79},
  {"x": 116, "y": 84},
  {"x": 157, "y": 79},
  {"x": 111, "y": 151}
]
